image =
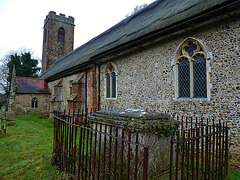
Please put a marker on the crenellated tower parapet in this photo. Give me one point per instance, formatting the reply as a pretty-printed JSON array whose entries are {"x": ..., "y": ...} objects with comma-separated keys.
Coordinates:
[{"x": 58, "y": 38}]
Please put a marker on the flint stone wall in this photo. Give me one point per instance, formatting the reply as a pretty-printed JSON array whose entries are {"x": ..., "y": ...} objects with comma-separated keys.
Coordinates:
[
  {"x": 146, "y": 78},
  {"x": 23, "y": 104}
]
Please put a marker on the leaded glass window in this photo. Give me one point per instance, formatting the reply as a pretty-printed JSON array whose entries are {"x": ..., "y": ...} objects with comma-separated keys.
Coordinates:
[
  {"x": 199, "y": 77},
  {"x": 191, "y": 70},
  {"x": 184, "y": 78},
  {"x": 111, "y": 87},
  {"x": 108, "y": 85}
]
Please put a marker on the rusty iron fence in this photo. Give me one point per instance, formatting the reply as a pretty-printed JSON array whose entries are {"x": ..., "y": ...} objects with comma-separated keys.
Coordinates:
[
  {"x": 87, "y": 149},
  {"x": 199, "y": 150},
  {"x": 90, "y": 150}
]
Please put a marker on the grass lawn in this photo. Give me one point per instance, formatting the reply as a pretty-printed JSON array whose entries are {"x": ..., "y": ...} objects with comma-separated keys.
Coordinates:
[
  {"x": 26, "y": 149},
  {"x": 234, "y": 175}
]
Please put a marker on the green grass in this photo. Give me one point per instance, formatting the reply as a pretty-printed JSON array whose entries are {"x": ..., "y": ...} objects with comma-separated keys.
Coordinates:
[
  {"x": 234, "y": 175},
  {"x": 26, "y": 149}
]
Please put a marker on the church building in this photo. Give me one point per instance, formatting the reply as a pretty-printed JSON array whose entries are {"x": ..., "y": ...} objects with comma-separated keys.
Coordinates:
[
  {"x": 28, "y": 95},
  {"x": 175, "y": 56}
]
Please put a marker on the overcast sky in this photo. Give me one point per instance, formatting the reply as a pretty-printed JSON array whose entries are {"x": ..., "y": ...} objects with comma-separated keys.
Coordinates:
[{"x": 22, "y": 20}]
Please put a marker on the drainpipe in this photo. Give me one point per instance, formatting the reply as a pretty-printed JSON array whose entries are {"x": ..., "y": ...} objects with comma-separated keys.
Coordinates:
[
  {"x": 99, "y": 87},
  {"x": 86, "y": 91}
]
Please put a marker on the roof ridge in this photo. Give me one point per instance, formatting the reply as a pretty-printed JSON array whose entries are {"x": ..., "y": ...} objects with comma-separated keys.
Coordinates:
[{"x": 29, "y": 78}]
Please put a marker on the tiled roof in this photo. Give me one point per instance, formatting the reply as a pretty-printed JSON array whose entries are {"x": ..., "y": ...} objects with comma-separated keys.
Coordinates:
[
  {"x": 155, "y": 20},
  {"x": 31, "y": 86}
]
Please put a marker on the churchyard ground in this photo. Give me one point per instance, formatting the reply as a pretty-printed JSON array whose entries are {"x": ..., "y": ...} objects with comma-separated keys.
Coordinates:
[{"x": 26, "y": 150}]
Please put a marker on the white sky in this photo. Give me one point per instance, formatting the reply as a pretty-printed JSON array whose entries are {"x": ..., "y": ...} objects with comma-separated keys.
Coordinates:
[{"x": 22, "y": 20}]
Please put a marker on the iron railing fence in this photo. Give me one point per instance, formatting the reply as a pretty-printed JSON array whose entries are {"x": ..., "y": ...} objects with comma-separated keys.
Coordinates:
[
  {"x": 93, "y": 150},
  {"x": 90, "y": 150},
  {"x": 199, "y": 150}
]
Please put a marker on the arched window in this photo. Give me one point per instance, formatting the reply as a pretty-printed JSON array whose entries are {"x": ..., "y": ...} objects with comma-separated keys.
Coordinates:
[
  {"x": 191, "y": 70},
  {"x": 61, "y": 35},
  {"x": 111, "y": 86},
  {"x": 45, "y": 35},
  {"x": 34, "y": 102}
]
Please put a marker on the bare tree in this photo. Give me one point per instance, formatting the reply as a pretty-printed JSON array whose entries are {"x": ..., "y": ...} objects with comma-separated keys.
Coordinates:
[
  {"x": 4, "y": 84},
  {"x": 136, "y": 9}
]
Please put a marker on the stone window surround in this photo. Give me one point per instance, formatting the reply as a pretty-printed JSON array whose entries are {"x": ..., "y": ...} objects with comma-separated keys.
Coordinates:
[
  {"x": 34, "y": 102},
  {"x": 105, "y": 83},
  {"x": 61, "y": 35},
  {"x": 208, "y": 57}
]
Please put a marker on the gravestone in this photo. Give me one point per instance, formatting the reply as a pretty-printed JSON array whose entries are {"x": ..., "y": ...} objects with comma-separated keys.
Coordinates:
[
  {"x": 154, "y": 130},
  {"x": 10, "y": 115}
]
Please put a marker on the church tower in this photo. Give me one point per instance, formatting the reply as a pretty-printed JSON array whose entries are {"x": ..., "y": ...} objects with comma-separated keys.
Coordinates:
[{"x": 58, "y": 37}]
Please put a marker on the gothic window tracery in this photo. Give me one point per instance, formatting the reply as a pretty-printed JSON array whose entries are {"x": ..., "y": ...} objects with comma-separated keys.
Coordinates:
[
  {"x": 111, "y": 86},
  {"x": 191, "y": 68}
]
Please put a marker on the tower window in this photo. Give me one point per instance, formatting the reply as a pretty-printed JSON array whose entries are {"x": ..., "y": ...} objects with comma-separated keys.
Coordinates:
[
  {"x": 34, "y": 102},
  {"x": 45, "y": 35},
  {"x": 61, "y": 35}
]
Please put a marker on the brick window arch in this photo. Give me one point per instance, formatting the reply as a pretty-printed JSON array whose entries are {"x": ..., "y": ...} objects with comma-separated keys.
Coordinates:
[
  {"x": 111, "y": 81},
  {"x": 61, "y": 35},
  {"x": 34, "y": 102},
  {"x": 191, "y": 70}
]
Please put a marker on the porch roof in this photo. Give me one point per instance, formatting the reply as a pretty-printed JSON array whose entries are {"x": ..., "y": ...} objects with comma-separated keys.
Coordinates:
[{"x": 31, "y": 86}]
